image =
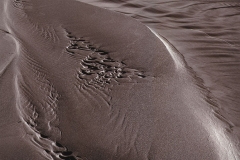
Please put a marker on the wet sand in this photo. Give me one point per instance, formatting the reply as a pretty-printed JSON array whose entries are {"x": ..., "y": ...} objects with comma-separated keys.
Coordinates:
[{"x": 81, "y": 82}]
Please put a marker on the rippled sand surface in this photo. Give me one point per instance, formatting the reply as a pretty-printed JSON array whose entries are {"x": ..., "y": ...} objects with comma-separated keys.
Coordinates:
[{"x": 157, "y": 81}]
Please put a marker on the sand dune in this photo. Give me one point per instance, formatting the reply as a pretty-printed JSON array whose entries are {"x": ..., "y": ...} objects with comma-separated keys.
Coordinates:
[{"x": 81, "y": 82}]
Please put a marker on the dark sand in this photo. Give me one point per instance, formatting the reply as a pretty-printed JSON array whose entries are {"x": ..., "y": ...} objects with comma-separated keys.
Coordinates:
[{"x": 81, "y": 82}]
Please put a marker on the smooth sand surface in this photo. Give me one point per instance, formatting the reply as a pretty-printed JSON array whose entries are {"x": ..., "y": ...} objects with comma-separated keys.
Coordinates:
[{"x": 81, "y": 82}]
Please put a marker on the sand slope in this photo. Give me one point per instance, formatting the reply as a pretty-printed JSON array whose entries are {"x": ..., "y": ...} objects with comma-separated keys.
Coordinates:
[{"x": 86, "y": 83}]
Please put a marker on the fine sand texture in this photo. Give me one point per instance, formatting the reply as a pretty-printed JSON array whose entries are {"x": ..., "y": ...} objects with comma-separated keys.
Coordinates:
[{"x": 79, "y": 82}]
